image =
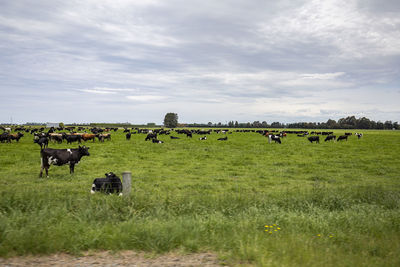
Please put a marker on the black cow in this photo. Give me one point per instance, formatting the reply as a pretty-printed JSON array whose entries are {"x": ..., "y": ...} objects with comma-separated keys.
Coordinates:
[
  {"x": 43, "y": 142},
  {"x": 330, "y": 137},
  {"x": 128, "y": 136},
  {"x": 61, "y": 157},
  {"x": 150, "y": 136},
  {"x": 313, "y": 139},
  {"x": 342, "y": 137},
  {"x": 73, "y": 138},
  {"x": 4, "y": 137},
  {"x": 111, "y": 184},
  {"x": 223, "y": 138},
  {"x": 174, "y": 137}
]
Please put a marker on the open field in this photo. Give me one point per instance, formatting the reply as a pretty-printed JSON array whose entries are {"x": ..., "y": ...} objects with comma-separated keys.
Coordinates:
[{"x": 334, "y": 203}]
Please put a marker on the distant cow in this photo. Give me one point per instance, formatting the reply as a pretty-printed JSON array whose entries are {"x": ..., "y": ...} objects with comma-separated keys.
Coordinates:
[
  {"x": 342, "y": 137},
  {"x": 101, "y": 137},
  {"x": 4, "y": 137},
  {"x": 72, "y": 138},
  {"x": 330, "y": 137},
  {"x": 15, "y": 136},
  {"x": 359, "y": 135},
  {"x": 128, "y": 136},
  {"x": 174, "y": 137},
  {"x": 313, "y": 139},
  {"x": 111, "y": 184},
  {"x": 59, "y": 157},
  {"x": 150, "y": 136},
  {"x": 155, "y": 140},
  {"x": 203, "y": 138},
  {"x": 223, "y": 138},
  {"x": 87, "y": 137},
  {"x": 43, "y": 142},
  {"x": 55, "y": 137},
  {"x": 275, "y": 138}
]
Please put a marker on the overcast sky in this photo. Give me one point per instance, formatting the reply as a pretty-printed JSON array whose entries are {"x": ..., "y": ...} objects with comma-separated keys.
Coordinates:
[{"x": 245, "y": 60}]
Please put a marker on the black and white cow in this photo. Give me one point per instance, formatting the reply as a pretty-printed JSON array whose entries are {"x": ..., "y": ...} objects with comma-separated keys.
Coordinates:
[
  {"x": 275, "y": 138},
  {"x": 313, "y": 139},
  {"x": 342, "y": 137},
  {"x": 156, "y": 141},
  {"x": 359, "y": 135},
  {"x": 330, "y": 137},
  {"x": 59, "y": 157},
  {"x": 203, "y": 138},
  {"x": 111, "y": 184}
]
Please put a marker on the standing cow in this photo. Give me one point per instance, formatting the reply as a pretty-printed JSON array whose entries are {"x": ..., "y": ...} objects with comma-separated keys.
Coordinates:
[
  {"x": 59, "y": 157},
  {"x": 313, "y": 139}
]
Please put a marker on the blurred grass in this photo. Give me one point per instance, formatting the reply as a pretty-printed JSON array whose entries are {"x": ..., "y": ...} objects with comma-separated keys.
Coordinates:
[{"x": 196, "y": 195}]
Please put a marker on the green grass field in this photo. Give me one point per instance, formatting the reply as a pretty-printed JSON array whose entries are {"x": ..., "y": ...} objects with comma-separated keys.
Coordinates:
[{"x": 335, "y": 204}]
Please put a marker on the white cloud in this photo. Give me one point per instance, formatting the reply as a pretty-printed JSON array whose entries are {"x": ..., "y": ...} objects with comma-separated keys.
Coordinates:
[
  {"x": 93, "y": 91},
  {"x": 145, "y": 98}
]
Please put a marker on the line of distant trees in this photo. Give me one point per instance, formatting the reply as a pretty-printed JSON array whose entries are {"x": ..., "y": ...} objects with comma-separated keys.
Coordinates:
[
  {"x": 350, "y": 122},
  {"x": 171, "y": 121}
]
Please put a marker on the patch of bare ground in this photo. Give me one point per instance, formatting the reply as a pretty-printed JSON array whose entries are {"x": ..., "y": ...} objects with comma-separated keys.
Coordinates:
[{"x": 108, "y": 259}]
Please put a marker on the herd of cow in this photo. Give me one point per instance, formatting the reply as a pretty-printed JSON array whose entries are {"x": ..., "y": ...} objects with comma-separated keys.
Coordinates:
[{"x": 111, "y": 183}]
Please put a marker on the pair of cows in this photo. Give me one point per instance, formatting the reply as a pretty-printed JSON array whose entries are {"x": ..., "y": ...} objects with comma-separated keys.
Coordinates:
[
  {"x": 7, "y": 137},
  {"x": 49, "y": 156}
]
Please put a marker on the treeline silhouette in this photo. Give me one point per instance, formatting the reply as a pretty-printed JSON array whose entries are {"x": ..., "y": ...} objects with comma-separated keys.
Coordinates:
[{"x": 350, "y": 122}]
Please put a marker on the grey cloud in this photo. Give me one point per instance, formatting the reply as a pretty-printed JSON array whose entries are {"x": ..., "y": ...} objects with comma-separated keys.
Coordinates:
[{"x": 228, "y": 56}]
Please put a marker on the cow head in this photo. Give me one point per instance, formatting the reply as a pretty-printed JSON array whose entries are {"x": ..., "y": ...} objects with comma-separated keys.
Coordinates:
[
  {"x": 110, "y": 174},
  {"x": 83, "y": 150}
]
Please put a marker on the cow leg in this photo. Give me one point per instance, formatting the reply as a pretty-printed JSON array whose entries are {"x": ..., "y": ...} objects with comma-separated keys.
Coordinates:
[
  {"x": 71, "y": 168},
  {"x": 41, "y": 168}
]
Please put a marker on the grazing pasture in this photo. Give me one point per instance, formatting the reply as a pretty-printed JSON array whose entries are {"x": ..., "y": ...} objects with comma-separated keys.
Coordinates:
[{"x": 254, "y": 203}]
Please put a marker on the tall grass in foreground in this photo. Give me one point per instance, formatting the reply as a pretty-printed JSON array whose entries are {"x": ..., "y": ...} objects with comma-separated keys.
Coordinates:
[{"x": 335, "y": 203}]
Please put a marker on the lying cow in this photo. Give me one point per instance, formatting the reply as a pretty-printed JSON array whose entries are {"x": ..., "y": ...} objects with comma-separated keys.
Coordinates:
[
  {"x": 203, "y": 138},
  {"x": 111, "y": 184},
  {"x": 155, "y": 140},
  {"x": 223, "y": 138},
  {"x": 313, "y": 139},
  {"x": 174, "y": 137},
  {"x": 59, "y": 157},
  {"x": 342, "y": 137},
  {"x": 330, "y": 137}
]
